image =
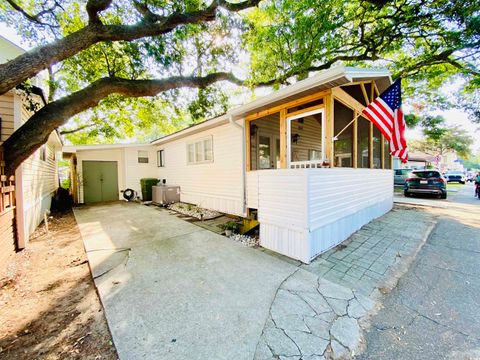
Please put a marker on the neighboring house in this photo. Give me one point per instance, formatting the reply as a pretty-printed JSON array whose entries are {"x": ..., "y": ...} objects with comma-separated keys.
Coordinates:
[
  {"x": 36, "y": 179},
  {"x": 268, "y": 160},
  {"x": 445, "y": 162}
]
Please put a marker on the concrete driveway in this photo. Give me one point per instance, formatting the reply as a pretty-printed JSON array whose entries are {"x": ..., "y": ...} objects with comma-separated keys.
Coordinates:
[{"x": 172, "y": 290}]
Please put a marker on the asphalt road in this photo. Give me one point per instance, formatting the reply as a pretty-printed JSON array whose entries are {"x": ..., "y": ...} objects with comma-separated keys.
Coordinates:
[{"x": 434, "y": 312}]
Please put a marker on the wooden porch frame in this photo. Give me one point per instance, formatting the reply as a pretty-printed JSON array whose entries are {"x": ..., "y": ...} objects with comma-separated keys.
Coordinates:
[{"x": 328, "y": 96}]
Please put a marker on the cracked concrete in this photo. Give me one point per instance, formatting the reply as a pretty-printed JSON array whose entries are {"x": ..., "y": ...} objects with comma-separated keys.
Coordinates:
[
  {"x": 325, "y": 316},
  {"x": 181, "y": 292},
  {"x": 173, "y": 290},
  {"x": 309, "y": 317}
]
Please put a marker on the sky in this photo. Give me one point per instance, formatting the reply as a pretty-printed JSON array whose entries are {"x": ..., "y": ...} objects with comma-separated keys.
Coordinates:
[{"x": 453, "y": 117}]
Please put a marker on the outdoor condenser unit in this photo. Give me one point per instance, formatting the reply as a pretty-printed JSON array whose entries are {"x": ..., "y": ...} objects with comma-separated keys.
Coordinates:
[{"x": 165, "y": 194}]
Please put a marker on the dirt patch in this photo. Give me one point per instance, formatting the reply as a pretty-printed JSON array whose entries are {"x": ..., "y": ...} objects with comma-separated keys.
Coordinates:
[{"x": 49, "y": 308}]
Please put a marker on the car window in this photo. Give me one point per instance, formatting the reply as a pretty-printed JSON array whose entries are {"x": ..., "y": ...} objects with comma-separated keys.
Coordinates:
[{"x": 426, "y": 174}]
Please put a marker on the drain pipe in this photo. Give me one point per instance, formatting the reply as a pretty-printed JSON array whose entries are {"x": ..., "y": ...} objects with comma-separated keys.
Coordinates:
[{"x": 244, "y": 175}]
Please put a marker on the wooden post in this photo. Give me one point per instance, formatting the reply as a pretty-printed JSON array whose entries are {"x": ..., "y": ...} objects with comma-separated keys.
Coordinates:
[
  {"x": 382, "y": 151},
  {"x": 248, "y": 146},
  {"x": 370, "y": 145},
  {"x": 328, "y": 136},
  {"x": 283, "y": 139},
  {"x": 370, "y": 137},
  {"x": 355, "y": 141}
]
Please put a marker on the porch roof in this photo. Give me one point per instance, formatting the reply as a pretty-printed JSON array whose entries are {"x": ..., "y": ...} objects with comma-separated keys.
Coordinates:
[{"x": 327, "y": 79}]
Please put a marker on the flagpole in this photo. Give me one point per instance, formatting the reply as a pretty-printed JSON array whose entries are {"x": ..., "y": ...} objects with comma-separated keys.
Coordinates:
[{"x": 345, "y": 128}]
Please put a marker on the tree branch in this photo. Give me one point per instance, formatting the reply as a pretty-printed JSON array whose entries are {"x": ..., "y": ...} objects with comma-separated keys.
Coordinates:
[
  {"x": 34, "y": 18},
  {"x": 35, "y": 132},
  {"x": 80, "y": 128},
  {"x": 94, "y": 7},
  {"x": 32, "y": 62}
]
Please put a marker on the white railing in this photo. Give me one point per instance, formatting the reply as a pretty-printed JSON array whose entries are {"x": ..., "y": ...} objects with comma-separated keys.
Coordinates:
[{"x": 312, "y": 164}]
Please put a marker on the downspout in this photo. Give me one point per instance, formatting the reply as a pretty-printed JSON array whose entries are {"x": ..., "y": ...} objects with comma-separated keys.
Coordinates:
[{"x": 244, "y": 173}]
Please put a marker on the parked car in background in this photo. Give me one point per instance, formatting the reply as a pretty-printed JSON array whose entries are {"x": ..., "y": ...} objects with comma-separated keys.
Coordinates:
[
  {"x": 425, "y": 182},
  {"x": 400, "y": 175},
  {"x": 455, "y": 176}
]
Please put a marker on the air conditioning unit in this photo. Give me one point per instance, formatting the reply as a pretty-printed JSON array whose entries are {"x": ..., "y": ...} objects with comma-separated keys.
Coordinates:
[{"x": 165, "y": 194}]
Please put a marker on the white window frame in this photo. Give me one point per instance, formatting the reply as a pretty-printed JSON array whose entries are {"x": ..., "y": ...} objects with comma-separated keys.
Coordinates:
[
  {"x": 289, "y": 137},
  {"x": 202, "y": 144},
  {"x": 143, "y": 157},
  {"x": 160, "y": 158}
]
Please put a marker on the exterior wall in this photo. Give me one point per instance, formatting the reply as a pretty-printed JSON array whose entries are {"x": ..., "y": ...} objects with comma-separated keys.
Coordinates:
[
  {"x": 217, "y": 185},
  {"x": 305, "y": 212},
  {"x": 7, "y": 115},
  {"x": 134, "y": 171},
  {"x": 341, "y": 201},
  {"x": 39, "y": 183},
  {"x": 252, "y": 189},
  {"x": 129, "y": 170}
]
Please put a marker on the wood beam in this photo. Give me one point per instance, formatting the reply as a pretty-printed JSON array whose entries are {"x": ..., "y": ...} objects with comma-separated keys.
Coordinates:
[
  {"x": 329, "y": 129},
  {"x": 365, "y": 96},
  {"x": 288, "y": 105},
  {"x": 355, "y": 141},
  {"x": 370, "y": 145},
  {"x": 347, "y": 100},
  {"x": 283, "y": 139},
  {"x": 382, "y": 150},
  {"x": 302, "y": 111},
  {"x": 248, "y": 146}
]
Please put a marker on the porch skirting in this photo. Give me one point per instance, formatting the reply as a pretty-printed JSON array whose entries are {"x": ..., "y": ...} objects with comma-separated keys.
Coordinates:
[
  {"x": 305, "y": 212},
  {"x": 305, "y": 245}
]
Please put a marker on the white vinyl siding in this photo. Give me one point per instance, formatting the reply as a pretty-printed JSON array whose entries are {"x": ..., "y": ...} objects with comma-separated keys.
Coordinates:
[
  {"x": 129, "y": 170},
  {"x": 305, "y": 212},
  {"x": 214, "y": 185},
  {"x": 40, "y": 181},
  {"x": 201, "y": 151},
  {"x": 6, "y": 115}
]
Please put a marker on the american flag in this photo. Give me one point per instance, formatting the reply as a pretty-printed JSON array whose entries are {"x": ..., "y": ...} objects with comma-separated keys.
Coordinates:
[{"x": 386, "y": 113}]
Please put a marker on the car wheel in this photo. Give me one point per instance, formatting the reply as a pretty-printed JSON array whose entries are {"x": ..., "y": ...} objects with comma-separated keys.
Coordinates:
[
  {"x": 462, "y": 182},
  {"x": 443, "y": 196},
  {"x": 406, "y": 193}
]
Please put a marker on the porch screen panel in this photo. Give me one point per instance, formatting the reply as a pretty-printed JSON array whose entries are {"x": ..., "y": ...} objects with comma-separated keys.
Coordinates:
[
  {"x": 343, "y": 146},
  {"x": 387, "y": 157},
  {"x": 265, "y": 142},
  {"x": 363, "y": 129},
  {"x": 306, "y": 138},
  {"x": 377, "y": 148}
]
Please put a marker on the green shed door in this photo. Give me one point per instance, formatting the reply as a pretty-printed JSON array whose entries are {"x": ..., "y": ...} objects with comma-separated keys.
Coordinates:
[{"x": 100, "y": 181}]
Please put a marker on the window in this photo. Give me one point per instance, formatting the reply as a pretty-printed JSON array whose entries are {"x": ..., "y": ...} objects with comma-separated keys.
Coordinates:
[
  {"x": 200, "y": 151},
  {"x": 142, "y": 157},
  {"x": 161, "y": 158},
  {"x": 43, "y": 152}
]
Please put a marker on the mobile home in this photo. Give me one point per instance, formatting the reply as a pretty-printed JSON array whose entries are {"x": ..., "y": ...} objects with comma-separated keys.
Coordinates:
[
  {"x": 294, "y": 160},
  {"x": 36, "y": 179}
]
